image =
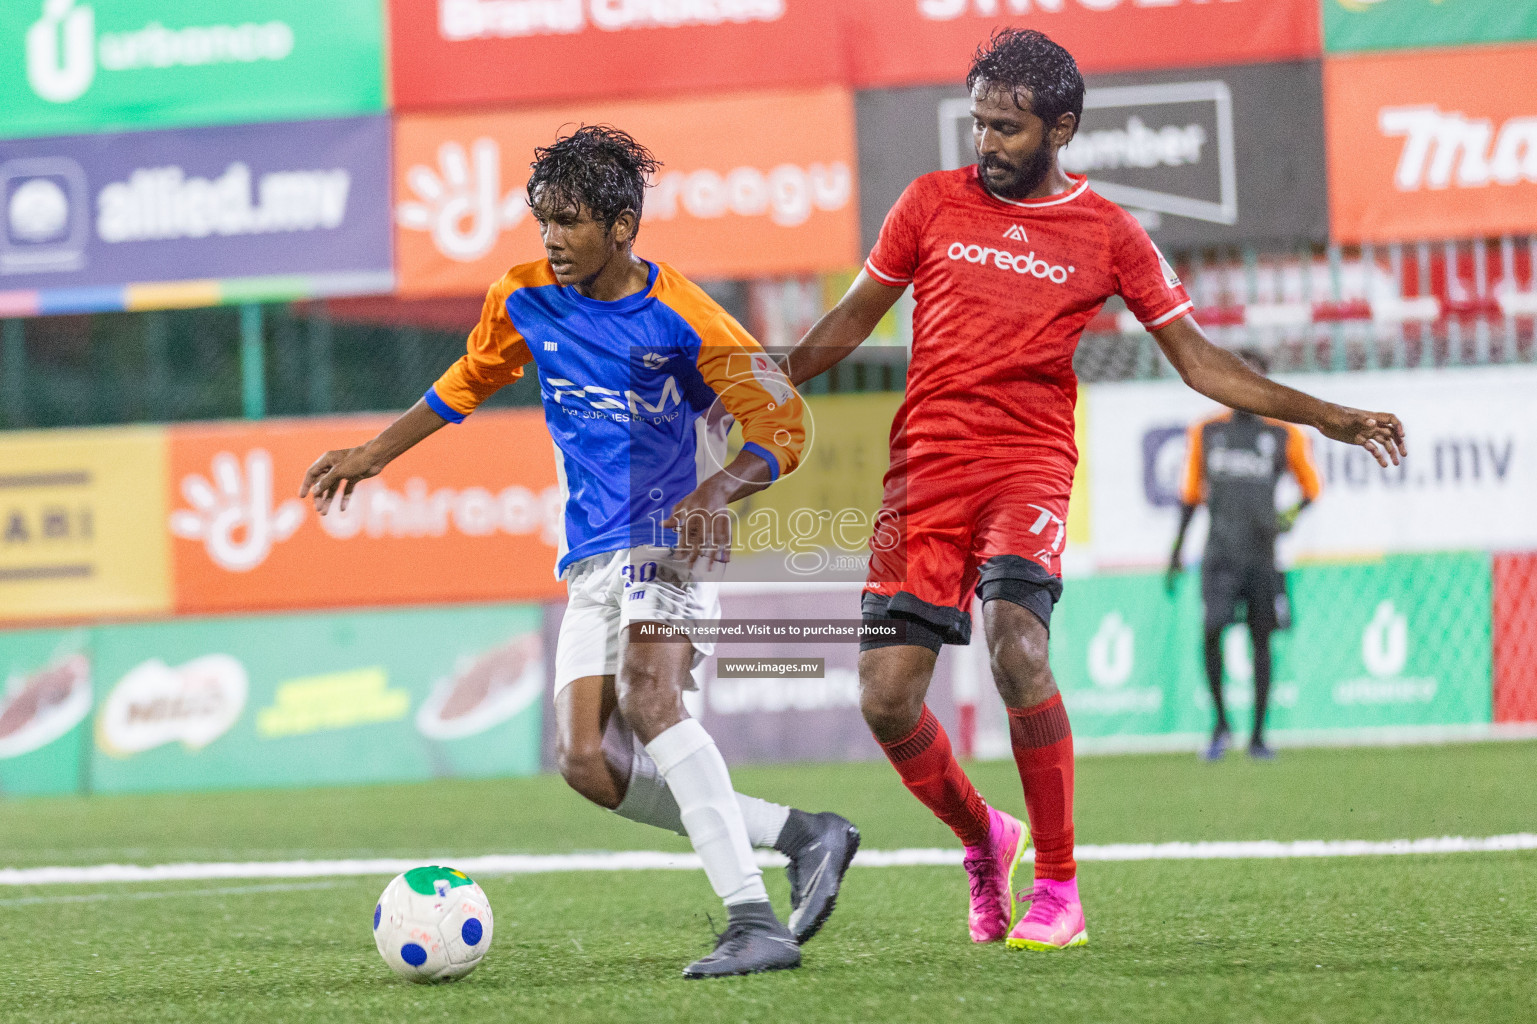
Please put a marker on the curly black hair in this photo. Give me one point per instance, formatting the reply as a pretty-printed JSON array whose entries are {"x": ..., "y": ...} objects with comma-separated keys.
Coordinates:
[
  {"x": 1027, "y": 60},
  {"x": 597, "y": 166}
]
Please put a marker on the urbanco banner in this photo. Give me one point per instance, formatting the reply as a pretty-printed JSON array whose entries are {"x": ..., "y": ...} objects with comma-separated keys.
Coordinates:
[
  {"x": 751, "y": 185},
  {"x": 70, "y": 66},
  {"x": 471, "y": 53},
  {"x": 1376, "y": 644},
  {"x": 471, "y": 514},
  {"x": 922, "y": 42},
  {"x": 1434, "y": 144},
  {"x": 318, "y": 699},
  {"x": 98, "y": 212},
  {"x": 1468, "y": 483},
  {"x": 1407, "y": 24},
  {"x": 1205, "y": 156}
]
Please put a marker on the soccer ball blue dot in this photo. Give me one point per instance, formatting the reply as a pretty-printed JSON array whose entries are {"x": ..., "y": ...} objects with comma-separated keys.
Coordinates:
[
  {"x": 471, "y": 932},
  {"x": 377, "y": 908},
  {"x": 413, "y": 954}
]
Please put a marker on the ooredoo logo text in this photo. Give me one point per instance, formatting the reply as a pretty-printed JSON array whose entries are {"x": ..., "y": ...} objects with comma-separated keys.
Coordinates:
[{"x": 1005, "y": 260}]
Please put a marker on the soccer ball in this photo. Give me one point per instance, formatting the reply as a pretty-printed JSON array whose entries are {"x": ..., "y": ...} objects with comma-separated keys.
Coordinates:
[{"x": 432, "y": 924}]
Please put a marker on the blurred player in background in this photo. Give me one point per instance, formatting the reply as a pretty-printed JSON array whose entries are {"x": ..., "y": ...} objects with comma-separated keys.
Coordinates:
[
  {"x": 1234, "y": 462},
  {"x": 1008, "y": 261},
  {"x": 632, "y": 358}
]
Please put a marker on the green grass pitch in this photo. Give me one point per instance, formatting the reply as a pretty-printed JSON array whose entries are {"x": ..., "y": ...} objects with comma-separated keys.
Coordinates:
[{"x": 1419, "y": 938}]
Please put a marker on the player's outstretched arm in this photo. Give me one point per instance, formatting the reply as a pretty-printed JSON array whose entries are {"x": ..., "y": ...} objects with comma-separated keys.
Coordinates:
[
  {"x": 1223, "y": 377},
  {"x": 343, "y": 468},
  {"x": 841, "y": 330}
]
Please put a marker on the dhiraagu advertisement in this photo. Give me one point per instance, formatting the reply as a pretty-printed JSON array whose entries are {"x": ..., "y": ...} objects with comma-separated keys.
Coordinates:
[
  {"x": 69, "y": 66},
  {"x": 301, "y": 700}
]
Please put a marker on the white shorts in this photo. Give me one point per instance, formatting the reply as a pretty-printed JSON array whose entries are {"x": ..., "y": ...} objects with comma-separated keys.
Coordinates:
[{"x": 605, "y": 593}]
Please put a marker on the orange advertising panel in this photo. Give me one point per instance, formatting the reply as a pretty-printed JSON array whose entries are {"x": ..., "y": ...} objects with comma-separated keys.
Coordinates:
[
  {"x": 751, "y": 185},
  {"x": 1438, "y": 144},
  {"x": 471, "y": 514},
  {"x": 921, "y": 42},
  {"x": 465, "y": 53}
]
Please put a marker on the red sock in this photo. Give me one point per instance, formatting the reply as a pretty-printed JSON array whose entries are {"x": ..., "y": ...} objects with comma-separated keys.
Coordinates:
[
  {"x": 1043, "y": 750},
  {"x": 931, "y": 773}
]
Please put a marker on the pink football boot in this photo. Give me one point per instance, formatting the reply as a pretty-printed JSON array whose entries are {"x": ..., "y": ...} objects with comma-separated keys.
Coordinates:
[
  {"x": 990, "y": 870},
  {"x": 1055, "y": 919}
]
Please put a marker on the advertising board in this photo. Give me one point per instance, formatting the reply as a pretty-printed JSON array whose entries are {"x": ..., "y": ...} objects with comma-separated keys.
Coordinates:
[
  {"x": 73, "y": 66},
  {"x": 80, "y": 524},
  {"x": 370, "y": 696},
  {"x": 194, "y": 216},
  {"x": 1433, "y": 144},
  {"x": 751, "y": 185},
  {"x": 469, "y": 515},
  {"x": 1209, "y": 156}
]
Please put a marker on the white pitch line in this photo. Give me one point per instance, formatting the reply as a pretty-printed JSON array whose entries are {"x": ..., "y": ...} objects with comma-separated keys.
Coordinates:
[
  {"x": 162, "y": 894},
  {"x": 652, "y": 860}
]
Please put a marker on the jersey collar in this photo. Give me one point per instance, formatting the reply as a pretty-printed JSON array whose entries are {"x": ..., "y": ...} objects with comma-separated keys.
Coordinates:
[
  {"x": 624, "y": 305},
  {"x": 1081, "y": 186}
]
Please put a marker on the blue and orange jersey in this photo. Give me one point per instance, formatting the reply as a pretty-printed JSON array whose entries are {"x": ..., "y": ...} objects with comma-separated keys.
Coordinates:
[{"x": 638, "y": 396}]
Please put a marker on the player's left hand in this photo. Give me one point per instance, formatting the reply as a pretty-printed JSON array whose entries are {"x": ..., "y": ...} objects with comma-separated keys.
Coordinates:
[
  {"x": 1380, "y": 433},
  {"x": 703, "y": 524}
]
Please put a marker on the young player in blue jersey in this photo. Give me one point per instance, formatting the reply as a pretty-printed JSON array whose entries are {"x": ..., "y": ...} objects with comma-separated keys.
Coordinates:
[{"x": 641, "y": 375}]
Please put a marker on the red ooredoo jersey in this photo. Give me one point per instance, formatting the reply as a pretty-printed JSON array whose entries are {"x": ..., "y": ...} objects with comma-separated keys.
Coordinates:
[{"x": 1004, "y": 289}]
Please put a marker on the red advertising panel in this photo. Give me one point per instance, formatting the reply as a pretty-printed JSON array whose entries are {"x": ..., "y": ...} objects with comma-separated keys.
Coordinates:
[
  {"x": 751, "y": 185},
  {"x": 1515, "y": 638},
  {"x": 469, "y": 515},
  {"x": 918, "y": 42},
  {"x": 467, "y": 53},
  {"x": 1434, "y": 144}
]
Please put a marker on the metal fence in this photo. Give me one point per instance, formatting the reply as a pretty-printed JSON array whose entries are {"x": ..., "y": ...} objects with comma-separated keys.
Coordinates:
[{"x": 1320, "y": 309}]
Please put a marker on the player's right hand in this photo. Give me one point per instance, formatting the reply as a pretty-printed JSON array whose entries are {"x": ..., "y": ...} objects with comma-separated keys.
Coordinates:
[
  {"x": 339, "y": 470},
  {"x": 1380, "y": 433}
]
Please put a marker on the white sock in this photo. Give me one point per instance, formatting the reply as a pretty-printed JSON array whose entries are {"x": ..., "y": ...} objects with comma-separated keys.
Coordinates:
[
  {"x": 648, "y": 801},
  {"x": 696, "y": 774}
]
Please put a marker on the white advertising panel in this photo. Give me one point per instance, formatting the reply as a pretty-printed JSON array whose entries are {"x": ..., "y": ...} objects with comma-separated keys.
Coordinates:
[{"x": 1469, "y": 483}]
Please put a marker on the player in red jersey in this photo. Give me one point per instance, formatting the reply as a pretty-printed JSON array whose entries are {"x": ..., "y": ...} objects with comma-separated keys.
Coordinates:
[{"x": 1008, "y": 261}]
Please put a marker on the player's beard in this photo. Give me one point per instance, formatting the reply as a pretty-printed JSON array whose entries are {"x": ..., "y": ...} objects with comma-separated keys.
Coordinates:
[{"x": 1026, "y": 177}]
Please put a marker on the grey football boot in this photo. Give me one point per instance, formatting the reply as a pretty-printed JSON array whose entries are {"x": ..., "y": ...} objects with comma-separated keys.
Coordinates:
[
  {"x": 754, "y": 941},
  {"x": 820, "y": 847}
]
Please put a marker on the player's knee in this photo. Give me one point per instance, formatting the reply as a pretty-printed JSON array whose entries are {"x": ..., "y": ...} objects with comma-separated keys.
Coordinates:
[
  {"x": 891, "y": 712},
  {"x": 585, "y": 771},
  {"x": 1021, "y": 666},
  {"x": 649, "y": 699}
]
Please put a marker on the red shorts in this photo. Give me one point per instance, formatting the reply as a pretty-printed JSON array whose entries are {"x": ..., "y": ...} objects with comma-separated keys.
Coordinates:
[{"x": 954, "y": 525}]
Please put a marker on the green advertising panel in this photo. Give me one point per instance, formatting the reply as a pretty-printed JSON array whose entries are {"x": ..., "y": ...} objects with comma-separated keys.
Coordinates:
[
  {"x": 75, "y": 66},
  {"x": 45, "y": 704},
  {"x": 1403, "y": 24},
  {"x": 318, "y": 699},
  {"x": 1399, "y": 642},
  {"x": 1127, "y": 656},
  {"x": 1404, "y": 641}
]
